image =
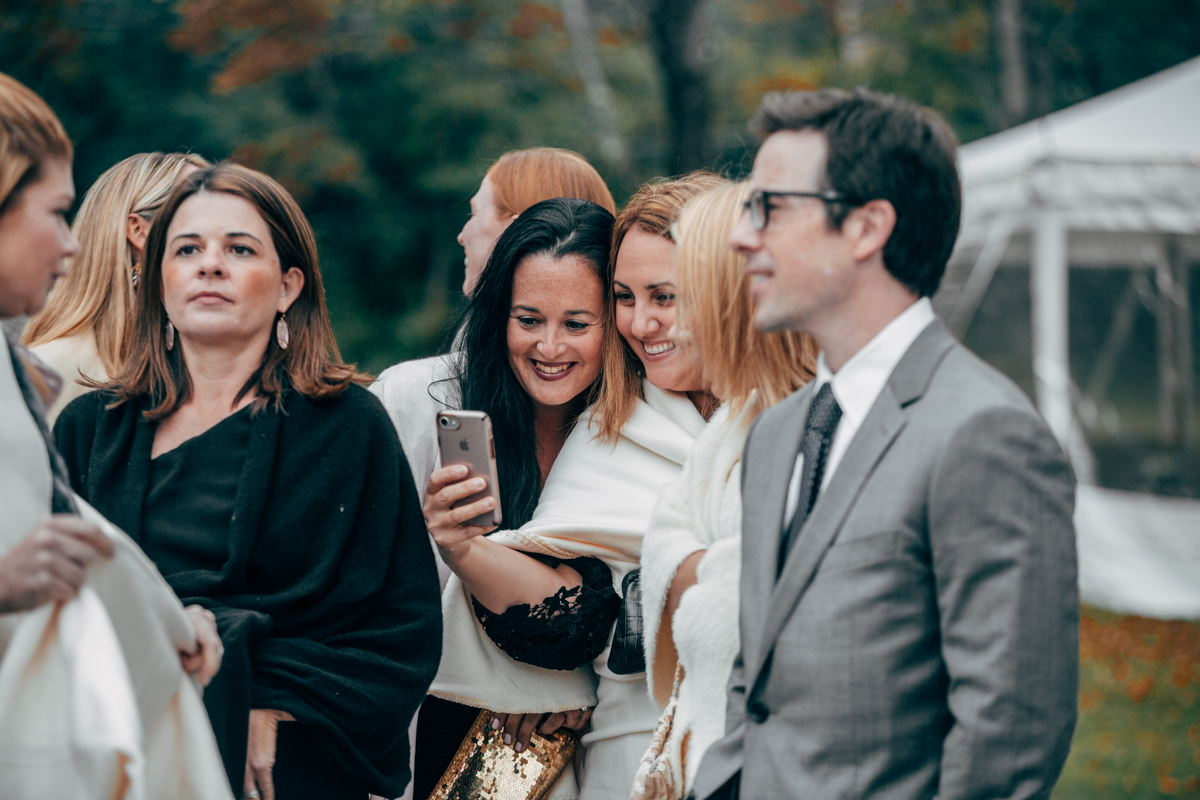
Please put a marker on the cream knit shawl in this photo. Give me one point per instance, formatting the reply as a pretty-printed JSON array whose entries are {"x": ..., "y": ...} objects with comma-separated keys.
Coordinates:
[{"x": 700, "y": 510}]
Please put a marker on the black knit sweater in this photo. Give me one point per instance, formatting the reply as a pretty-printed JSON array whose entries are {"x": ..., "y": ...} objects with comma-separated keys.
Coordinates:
[{"x": 328, "y": 602}]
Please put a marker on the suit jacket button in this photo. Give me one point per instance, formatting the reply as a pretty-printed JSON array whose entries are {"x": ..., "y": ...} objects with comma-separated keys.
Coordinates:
[{"x": 759, "y": 711}]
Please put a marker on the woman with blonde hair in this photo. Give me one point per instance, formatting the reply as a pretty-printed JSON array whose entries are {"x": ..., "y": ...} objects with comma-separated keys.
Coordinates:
[
  {"x": 83, "y": 332},
  {"x": 693, "y": 543}
]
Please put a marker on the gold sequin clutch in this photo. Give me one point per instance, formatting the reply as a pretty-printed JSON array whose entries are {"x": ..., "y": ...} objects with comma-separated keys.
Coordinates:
[{"x": 485, "y": 768}]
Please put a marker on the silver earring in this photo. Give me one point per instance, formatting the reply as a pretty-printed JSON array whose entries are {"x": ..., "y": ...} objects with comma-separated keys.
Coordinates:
[
  {"x": 170, "y": 336},
  {"x": 282, "y": 334}
]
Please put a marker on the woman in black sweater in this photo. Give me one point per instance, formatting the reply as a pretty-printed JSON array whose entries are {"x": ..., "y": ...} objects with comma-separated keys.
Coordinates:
[{"x": 269, "y": 487}]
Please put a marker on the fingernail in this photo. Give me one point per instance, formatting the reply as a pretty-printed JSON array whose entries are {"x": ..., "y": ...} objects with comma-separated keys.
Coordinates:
[
  {"x": 519, "y": 747},
  {"x": 507, "y": 739},
  {"x": 478, "y": 483},
  {"x": 495, "y": 723}
]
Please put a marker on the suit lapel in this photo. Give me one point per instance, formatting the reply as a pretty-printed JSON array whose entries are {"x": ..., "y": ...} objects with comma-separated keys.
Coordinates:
[
  {"x": 767, "y": 471},
  {"x": 882, "y": 425}
]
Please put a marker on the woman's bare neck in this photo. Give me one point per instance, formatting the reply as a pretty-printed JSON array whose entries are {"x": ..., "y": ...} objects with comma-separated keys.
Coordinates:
[
  {"x": 217, "y": 375},
  {"x": 550, "y": 424}
]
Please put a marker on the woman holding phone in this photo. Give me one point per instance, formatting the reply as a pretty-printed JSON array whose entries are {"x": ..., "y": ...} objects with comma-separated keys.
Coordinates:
[
  {"x": 596, "y": 502},
  {"x": 530, "y": 359}
]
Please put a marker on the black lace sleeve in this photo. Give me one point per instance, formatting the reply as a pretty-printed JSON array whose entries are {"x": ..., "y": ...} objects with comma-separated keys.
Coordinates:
[{"x": 564, "y": 631}]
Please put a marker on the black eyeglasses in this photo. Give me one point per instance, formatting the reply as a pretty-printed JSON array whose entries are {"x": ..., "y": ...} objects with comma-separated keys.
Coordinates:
[{"x": 759, "y": 204}]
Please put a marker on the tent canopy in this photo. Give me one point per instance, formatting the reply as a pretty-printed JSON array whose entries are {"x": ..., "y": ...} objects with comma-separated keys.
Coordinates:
[
  {"x": 1111, "y": 182},
  {"x": 1128, "y": 160}
]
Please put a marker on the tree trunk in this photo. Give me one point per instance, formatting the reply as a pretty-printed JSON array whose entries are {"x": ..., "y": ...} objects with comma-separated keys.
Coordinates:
[
  {"x": 578, "y": 23},
  {"x": 680, "y": 32},
  {"x": 855, "y": 46},
  {"x": 1014, "y": 82}
]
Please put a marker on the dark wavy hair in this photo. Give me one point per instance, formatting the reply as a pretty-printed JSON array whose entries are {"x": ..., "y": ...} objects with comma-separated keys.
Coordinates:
[{"x": 558, "y": 228}]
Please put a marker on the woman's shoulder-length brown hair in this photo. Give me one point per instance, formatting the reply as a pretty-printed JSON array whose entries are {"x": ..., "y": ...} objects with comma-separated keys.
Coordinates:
[
  {"x": 653, "y": 209},
  {"x": 311, "y": 364}
]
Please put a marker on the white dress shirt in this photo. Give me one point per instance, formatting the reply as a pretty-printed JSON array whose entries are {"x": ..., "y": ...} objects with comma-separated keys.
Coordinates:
[{"x": 857, "y": 385}]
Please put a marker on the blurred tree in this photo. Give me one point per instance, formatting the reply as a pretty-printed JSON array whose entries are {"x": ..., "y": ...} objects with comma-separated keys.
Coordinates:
[
  {"x": 383, "y": 115},
  {"x": 681, "y": 31}
]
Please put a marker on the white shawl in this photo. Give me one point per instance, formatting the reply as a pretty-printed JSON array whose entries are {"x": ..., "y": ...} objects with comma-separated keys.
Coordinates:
[
  {"x": 596, "y": 502},
  {"x": 413, "y": 392},
  {"x": 93, "y": 701}
]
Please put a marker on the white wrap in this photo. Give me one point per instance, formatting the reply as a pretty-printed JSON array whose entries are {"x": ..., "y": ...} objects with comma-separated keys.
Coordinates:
[{"x": 93, "y": 701}]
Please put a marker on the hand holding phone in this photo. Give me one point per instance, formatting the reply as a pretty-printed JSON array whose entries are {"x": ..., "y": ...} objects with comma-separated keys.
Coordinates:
[{"x": 462, "y": 498}]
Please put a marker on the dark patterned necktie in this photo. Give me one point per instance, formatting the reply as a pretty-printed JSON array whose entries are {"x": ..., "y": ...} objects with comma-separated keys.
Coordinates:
[
  {"x": 823, "y": 417},
  {"x": 62, "y": 501}
]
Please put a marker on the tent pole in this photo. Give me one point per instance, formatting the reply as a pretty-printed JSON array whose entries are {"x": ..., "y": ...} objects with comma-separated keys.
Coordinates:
[
  {"x": 1184, "y": 365},
  {"x": 1048, "y": 283},
  {"x": 1168, "y": 380}
]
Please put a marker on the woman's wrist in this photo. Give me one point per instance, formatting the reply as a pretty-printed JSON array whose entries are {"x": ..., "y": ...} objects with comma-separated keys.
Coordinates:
[{"x": 456, "y": 555}]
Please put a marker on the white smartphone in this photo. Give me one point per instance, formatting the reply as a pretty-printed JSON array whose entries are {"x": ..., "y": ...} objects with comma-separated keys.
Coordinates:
[{"x": 465, "y": 437}]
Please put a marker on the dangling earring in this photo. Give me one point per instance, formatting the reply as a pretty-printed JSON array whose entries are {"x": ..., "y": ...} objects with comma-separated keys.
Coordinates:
[
  {"x": 170, "y": 336},
  {"x": 137, "y": 275},
  {"x": 282, "y": 334}
]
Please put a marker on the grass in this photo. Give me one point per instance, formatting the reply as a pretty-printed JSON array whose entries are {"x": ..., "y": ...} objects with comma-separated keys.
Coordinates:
[{"x": 1139, "y": 710}]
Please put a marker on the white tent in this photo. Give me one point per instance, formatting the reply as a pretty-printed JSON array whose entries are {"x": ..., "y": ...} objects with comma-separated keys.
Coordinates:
[{"x": 1111, "y": 182}]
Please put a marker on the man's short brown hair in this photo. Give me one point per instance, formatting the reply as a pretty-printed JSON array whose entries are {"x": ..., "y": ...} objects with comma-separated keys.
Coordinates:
[{"x": 883, "y": 147}]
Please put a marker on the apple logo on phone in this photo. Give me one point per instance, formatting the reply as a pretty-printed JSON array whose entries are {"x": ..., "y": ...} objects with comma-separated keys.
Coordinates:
[{"x": 463, "y": 445}]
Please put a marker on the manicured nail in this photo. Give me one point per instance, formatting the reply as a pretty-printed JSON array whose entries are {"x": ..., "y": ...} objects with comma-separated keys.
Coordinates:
[
  {"x": 519, "y": 747},
  {"x": 495, "y": 723},
  {"x": 508, "y": 738}
]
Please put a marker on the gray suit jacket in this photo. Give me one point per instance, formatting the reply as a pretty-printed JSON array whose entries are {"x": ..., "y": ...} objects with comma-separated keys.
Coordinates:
[{"x": 923, "y": 638}]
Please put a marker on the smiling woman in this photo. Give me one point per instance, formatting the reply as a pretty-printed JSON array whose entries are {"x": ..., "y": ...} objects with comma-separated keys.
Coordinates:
[
  {"x": 642, "y": 306},
  {"x": 240, "y": 452}
]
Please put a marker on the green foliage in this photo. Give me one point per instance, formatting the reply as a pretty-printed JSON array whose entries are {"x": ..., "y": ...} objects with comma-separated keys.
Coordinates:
[{"x": 383, "y": 115}]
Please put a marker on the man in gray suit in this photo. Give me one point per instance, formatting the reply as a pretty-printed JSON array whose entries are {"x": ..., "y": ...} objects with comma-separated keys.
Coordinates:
[{"x": 909, "y": 606}]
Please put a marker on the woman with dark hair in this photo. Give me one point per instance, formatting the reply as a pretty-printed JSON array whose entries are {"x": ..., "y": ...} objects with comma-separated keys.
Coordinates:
[
  {"x": 240, "y": 452},
  {"x": 531, "y": 353},
  {"x": 535, "y": 665}
]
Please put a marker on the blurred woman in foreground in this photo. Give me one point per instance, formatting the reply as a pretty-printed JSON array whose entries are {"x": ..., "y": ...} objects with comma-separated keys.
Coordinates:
[
  {"x": 268, "y": 486},
  {"x": 83, "y": 332},
  {"x": 693, "y": 543},
  {"x": 95, "y": 619}
]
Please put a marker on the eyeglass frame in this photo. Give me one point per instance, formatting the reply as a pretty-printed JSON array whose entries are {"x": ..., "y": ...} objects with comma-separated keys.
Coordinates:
[{"x": 827, "y": 196}]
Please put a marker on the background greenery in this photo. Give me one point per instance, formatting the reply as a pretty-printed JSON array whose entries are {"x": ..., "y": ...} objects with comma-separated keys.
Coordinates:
[{"x": 381, "y": 116}]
